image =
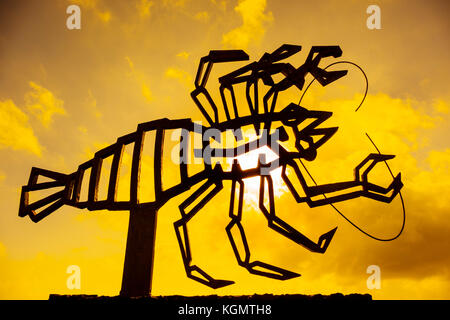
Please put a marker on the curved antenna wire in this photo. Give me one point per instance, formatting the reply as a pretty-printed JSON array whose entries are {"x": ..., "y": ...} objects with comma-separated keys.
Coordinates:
[
  {"x": 342, "y": 62},
  {"x": 387, "y": 165}
]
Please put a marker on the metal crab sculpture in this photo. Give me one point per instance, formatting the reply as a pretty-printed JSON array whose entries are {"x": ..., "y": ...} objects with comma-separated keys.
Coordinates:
[{"x": 141, "y": 235}]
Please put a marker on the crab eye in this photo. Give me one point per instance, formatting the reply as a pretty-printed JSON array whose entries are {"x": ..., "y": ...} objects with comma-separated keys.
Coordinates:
[
  {"x": 293, "y": 114},
  {"x": 306, "y": 146}
]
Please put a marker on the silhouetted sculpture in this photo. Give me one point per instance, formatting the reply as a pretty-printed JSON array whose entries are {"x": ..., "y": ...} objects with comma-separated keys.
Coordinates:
[{"x": 140, "y": 243}]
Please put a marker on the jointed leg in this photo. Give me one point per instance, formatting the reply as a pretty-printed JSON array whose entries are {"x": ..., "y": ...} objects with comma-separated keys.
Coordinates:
[
  {"x": 194, "y": 272},
  {"x": 284, "y": 228},
  {"x": 243, "y": 258},
  {"x": 215, "y": 56}
]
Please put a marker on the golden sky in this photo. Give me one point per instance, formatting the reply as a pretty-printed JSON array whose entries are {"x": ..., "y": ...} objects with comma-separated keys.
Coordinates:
[{"x": 64, "y": 94}]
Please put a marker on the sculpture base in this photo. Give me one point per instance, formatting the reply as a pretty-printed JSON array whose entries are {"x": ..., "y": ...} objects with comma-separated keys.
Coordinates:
[{"x": 138, "y": 265}]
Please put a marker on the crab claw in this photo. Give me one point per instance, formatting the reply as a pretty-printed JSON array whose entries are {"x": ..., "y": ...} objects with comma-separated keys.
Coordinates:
[{"x": 375, "y": 157}]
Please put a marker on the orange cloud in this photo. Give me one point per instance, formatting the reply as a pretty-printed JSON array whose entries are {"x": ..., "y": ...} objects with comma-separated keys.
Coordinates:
[
  {"x": 183, "y": 55},
  {"x": 143, "y": 7},
  {"x": 182, "y": 76},
  {"x": 15, "y": 131},
  {"x": 43, "y": 104},
  {"x": 202, "y": 16},
  {"x": 94, "y": 5},
  {"x": 254, "y": 24},
  {"x": 141, "y": 79}
]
